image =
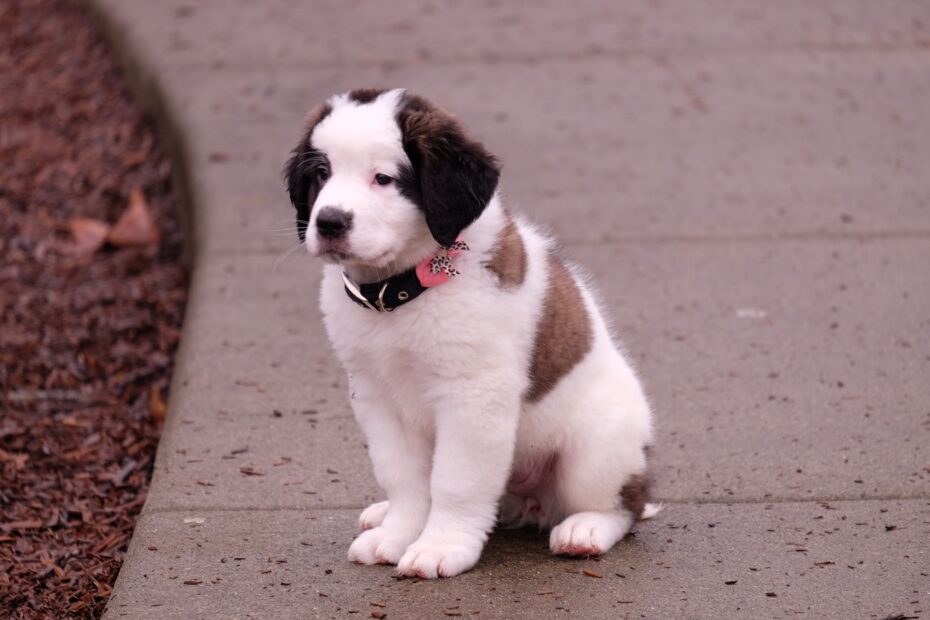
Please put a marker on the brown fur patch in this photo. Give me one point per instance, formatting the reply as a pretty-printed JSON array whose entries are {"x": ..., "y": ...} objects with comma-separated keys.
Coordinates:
[
  {"x": 451, "y": 177},
  {"x": 635, "y": 494},
  {"x": 315, "y": 115},
  {"x": 508, "y": 261},
  {"x": 366, "y": 95},
  {"x": 563, "y": 335}
]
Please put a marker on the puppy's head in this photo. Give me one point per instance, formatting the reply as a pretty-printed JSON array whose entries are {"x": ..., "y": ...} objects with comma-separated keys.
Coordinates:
[{"x": 380, "y": 177}]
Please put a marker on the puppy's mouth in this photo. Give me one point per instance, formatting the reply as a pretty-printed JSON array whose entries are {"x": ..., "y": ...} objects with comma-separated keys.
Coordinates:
[{"x": 341, "y": 254}]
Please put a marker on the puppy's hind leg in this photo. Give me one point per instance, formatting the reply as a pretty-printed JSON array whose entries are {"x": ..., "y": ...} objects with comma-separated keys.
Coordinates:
[{"x": 602, "y": 496}]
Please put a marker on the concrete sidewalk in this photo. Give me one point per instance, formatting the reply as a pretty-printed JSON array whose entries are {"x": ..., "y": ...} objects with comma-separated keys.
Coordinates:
[{"x": 748, "y": 187}]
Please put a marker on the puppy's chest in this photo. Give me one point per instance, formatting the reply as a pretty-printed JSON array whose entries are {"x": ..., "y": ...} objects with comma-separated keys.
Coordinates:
[{"x": 408, "y": 341}]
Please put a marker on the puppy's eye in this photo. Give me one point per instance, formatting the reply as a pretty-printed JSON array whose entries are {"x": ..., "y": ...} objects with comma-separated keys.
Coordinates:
[
  {"x": 322, "y": 174},
  {"x": 383, "y": 179}
]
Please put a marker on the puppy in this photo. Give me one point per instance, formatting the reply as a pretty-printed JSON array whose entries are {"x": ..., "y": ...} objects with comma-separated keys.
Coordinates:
[{"x": 481, "y": 369}]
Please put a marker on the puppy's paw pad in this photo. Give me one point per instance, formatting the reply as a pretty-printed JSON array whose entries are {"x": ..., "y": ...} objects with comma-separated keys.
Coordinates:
[
  {"x": 588, "y": 533},
  {"x": 372, "y": 516},
  {"x": 378, "y": 546},
  {"x": 432, "y": 559}
]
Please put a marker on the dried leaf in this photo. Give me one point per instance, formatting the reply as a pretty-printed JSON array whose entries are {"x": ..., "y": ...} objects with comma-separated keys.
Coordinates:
[
  {"x": 136, "y": 226},
  {"x": 157, "y": 407},
  {"x": 88, "y": 235}
]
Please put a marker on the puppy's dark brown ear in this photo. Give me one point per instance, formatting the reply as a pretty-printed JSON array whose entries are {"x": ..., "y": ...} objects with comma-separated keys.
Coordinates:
[
  {"x": 302, "y": 171},
  {"x": 453, "y": 177}
]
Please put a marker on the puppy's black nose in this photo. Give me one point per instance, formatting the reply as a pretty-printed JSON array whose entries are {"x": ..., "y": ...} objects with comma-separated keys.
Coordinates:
[{"x": 332, "y": 222}]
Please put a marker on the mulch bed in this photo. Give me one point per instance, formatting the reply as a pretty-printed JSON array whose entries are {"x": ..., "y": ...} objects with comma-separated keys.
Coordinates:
[{"x": 87, "y": 330}]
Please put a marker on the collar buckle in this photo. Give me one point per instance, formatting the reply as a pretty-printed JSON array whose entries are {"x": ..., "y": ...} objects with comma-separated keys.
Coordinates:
[{"x": 357, "y": 296}]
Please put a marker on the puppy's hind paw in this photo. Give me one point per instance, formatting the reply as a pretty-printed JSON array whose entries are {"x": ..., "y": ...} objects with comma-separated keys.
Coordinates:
[
  {"x": 372, "y": 516},
  {"x": 589, "y": 533}
]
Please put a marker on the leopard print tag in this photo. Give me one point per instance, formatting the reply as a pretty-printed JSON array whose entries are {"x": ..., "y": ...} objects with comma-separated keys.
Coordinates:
[{"x": 442, "y": 261}]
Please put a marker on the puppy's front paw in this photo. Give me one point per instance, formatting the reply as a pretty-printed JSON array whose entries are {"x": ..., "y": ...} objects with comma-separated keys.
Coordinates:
[
  {"x": 379, "y": 545},
  {"x": 589, "y": 533},
  {"x": 372, "y": 516},
  {"x": 434, "y": 557}
]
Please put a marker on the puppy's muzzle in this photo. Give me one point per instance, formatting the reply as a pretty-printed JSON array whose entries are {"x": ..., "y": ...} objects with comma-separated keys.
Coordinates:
[{"x": 332, "y": 222}]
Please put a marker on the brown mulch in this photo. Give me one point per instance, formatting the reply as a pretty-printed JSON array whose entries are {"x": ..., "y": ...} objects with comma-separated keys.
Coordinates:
[{"x": 87, "y": 336}]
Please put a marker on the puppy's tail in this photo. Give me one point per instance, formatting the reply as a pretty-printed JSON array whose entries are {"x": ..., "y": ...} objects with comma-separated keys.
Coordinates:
[{"x": 650, "y": 511}]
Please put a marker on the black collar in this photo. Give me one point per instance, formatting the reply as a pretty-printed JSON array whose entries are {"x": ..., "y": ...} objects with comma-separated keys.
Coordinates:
[{"x": 385, "y": 295}]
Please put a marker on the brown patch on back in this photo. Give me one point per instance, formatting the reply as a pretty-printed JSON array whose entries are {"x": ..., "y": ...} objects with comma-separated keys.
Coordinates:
[
  {"x": 635, "y": 494},
  {"x": 508, "y": 261},
  {"x": 563, "y": 335}
]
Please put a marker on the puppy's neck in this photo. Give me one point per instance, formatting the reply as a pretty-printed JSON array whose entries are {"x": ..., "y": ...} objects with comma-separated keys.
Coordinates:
[{"x": 480, "y": 237}]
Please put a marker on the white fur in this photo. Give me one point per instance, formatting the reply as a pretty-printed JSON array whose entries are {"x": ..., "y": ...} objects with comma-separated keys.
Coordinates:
[{"x": 437, "y": 384}]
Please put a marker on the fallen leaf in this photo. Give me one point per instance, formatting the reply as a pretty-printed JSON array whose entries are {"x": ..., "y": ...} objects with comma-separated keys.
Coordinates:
[
  {"x": 157, "y": 406},
  {"x": 136, "y": 226},
  {"x": 248, "y": 471},
  {"x": 193, "y": 582},
  {"x": 89, "y": 235},
  {"x": 591, "y": 573}
]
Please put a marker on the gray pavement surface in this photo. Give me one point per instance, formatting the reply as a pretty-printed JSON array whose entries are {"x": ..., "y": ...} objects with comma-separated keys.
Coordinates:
[{"x": 745, "y": 182}]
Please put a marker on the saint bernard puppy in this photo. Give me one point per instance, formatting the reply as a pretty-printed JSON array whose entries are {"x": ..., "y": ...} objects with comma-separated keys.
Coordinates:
[{"x": 481, "y": 369}]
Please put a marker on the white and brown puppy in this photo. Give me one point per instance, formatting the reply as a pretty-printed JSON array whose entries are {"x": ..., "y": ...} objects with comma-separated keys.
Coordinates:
[{"x": 481, "y": 370}]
